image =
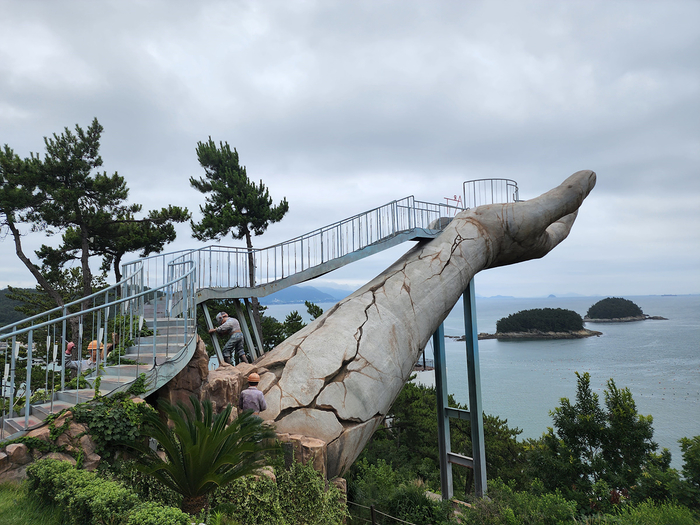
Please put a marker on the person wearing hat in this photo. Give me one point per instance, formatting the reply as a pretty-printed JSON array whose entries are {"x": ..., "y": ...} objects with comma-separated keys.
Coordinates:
[
  {"x": 252, "y": 398},
  {"x": 81, "y": 365},
  {"x": 234, "y": 345}
]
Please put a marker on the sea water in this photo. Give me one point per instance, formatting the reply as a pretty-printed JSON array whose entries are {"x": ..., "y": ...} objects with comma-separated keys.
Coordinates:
[{"x": 522, "y": 381}]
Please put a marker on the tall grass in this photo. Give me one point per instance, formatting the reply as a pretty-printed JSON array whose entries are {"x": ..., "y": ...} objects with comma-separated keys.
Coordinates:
[{"x": 19, "y": 508}]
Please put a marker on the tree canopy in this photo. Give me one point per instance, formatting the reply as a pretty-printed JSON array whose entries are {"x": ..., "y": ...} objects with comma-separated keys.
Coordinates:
[
  {"x": 65, "y": 192},
  {"x": 590, "y": 444},
  {"x": 614, "y": 308},
  {"x": 234, "y": 206},
  {"x": 542, "y": 320}
]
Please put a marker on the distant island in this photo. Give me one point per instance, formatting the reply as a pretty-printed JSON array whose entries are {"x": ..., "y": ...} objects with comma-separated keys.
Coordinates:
[
  {"x": 616, "y": 310},
  {"x": 541, "y": 323}
]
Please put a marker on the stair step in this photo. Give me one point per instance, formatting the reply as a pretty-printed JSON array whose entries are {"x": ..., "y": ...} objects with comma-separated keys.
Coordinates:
[
  {"x": 15, "y": 424},
  {"x": 147, "y": 358},
  {"x": 110, "y": 382},
  {"x": 128, "y": 371},
  {"x": 43, "y": 410},
  {"x": 160, "y": 339},
  {"x": 70, "y": 395}
]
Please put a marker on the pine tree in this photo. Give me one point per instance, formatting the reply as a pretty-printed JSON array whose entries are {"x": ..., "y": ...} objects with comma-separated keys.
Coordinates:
[
  {"x": 234, "y": 204},
  {"x": 64, "y": 192}
]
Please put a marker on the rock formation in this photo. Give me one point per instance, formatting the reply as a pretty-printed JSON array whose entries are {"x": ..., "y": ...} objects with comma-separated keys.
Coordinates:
[{"x": 337, "y": 378}]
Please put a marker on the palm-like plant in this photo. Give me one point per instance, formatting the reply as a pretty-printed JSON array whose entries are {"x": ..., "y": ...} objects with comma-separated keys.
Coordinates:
[{"x": 203, "y": 451}]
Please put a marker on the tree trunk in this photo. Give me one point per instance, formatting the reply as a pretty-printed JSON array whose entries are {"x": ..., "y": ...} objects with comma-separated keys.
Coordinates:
[
  {"x": 73, "y": 322},
  {"x": 85, "y": 263},
  {"x": 30, "y": 266},
  {"x": 117, "y": 271},
  {"x": 193, "y": 505}
]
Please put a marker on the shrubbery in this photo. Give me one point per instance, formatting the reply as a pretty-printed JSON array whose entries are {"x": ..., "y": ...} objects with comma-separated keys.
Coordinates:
[
  {"x": 300, "y": 495},
  {"x": 508, "y": 506},
  {"x": 86, "y": 498},
  {"x": 380, "y": 485},
  {"x": 614, "y": 308},
  {"x": 541, "y": 320},
  {"x": 112, "y": 421},
  {"x": 156, "y": 514}
]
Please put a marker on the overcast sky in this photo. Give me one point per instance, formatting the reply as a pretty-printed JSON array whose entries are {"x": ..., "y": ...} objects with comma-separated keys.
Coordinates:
[{"x": 344, "y": 106}]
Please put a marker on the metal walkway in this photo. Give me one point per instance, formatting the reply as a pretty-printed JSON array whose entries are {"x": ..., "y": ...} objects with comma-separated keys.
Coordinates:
[
  {"x": 222, "y": 271},
  {"x": 160, "y": 294}
]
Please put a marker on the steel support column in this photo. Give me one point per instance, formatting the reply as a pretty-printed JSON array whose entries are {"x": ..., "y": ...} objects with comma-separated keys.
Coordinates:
[
  {"x": 474, "y": 380},
  {"x": 443, "y": 418},
  {"x": 256, "y": 350},
  {"x": 244, "y": 328},
  {"x": 215, "y": 337},
  {"x": 478, "y": 460}
]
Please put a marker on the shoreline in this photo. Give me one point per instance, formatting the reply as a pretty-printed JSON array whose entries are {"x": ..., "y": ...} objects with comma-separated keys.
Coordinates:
[
  {"x": 626, "y": 319},
  {"x": 510, "y": 336}
]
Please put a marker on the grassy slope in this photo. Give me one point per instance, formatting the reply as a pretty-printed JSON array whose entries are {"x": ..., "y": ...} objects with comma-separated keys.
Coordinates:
[{"x": 16, "y": 508}]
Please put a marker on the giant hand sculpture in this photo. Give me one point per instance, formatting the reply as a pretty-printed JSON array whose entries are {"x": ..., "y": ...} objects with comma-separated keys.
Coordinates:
[{"x": 337, "y": 378}]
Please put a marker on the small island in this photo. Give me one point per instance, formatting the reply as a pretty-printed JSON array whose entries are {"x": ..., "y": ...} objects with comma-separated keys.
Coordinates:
[
  {"x": 541, "y": 323},
  {"x": 616, "y": 310}
]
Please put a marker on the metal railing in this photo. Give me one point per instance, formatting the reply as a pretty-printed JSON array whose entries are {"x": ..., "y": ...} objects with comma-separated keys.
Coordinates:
[
  {"x": 121, "y": 309},
  {"x": 489, "y": 191},
  {"x": 164, "y": 286},
  {"x": 227, "y": 267}
]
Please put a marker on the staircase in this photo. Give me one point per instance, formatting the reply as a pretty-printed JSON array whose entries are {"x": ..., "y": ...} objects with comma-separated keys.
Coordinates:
[{"x": 150, "y": 355}]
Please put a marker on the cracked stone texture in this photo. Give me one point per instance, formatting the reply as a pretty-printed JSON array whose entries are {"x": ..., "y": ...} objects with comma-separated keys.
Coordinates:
[
  {"x": 347, "y": 367},
  {"x": 321, "y": 424}
]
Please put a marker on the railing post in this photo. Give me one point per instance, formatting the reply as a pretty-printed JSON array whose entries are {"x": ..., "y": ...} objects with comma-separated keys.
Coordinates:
[
  {"x": 13, "y": 360},
  {"x": 28, "y": 384},
  {"x": 63, "y": 350},
  {"x": 155, "y": 326}
]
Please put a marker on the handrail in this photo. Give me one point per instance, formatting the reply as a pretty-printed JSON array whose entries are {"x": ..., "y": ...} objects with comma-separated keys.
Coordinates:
[
  {"x": 489, "y": 191},
  {"x": 180, "y": 286},
  {"x": 65, "y": 306},
  {"x": 227, "y": 267}
]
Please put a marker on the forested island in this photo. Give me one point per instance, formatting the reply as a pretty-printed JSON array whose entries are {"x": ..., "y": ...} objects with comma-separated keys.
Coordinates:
[
  {"x": 541, "y": 323},
  {"x": 616, "y": 310}
]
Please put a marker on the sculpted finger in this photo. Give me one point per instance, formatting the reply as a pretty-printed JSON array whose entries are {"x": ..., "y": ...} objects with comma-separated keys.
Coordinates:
[{"x": 533, "y": 217}]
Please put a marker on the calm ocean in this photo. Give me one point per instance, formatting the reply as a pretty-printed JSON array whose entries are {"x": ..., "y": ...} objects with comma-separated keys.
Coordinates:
[{"x": 521, "y": 381}]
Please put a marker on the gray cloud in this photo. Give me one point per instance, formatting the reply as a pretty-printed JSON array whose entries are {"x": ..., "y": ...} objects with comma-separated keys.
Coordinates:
[{"x": 343, "y": 107}]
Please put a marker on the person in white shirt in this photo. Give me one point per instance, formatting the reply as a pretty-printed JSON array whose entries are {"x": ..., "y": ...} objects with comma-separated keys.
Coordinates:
[{"x": 234, "y": 345}]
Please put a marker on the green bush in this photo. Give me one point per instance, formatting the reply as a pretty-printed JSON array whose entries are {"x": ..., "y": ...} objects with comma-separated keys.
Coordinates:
[
  {"x": 542, "y": 320},
  {"x": 306, "y": 498},
  {"x": 300, "y": 495},
  {"x": 509, "y": 507},
  {"x": 614, "y": 308},
  {"x": 112, "y": 421},
  {"x": 390, "y": 492},
  {"x": 44, "y": 478},
  {"x": 409, "y": 502},
  {"x": 251, "y": 501},
  {"x": 146, "y": 487},
  {"x": 156, "y": 514},
  {"x": 649, "y": 512},
  {"x": 84, "y": 497}
]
